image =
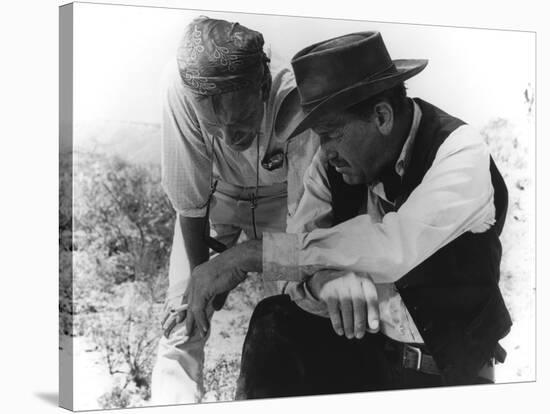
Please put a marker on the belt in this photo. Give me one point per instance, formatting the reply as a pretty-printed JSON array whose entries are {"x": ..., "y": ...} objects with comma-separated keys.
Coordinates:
[
  {"x": 410, "y": 356},
  {"x": 415, "y": 358},
  {"x": 235, "y": 191}
]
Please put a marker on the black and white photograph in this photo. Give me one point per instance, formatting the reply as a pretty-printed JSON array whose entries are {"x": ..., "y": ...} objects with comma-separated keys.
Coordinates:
[{"x": 256, "y": 206}]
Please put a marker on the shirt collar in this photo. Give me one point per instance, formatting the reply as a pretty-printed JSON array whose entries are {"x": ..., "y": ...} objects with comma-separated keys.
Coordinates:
[{"x": 405, "y": 156}]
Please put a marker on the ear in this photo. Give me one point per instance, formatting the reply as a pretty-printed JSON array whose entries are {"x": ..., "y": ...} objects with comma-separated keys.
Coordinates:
[{"x": 383, "y": 117}]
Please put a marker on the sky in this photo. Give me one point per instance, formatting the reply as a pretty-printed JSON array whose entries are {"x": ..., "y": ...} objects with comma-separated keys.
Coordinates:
[{"x": 120, "y": 53}]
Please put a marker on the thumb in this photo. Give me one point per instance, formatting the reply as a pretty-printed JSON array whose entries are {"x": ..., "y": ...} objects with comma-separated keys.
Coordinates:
[{"x": 371, "y": 297}]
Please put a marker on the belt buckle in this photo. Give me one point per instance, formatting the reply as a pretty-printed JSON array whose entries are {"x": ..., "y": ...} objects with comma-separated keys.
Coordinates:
[{"x": 417, "y": 352}]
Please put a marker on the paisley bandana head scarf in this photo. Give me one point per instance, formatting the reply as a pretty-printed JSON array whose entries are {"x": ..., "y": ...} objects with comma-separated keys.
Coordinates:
[{"x": 216, "y": 56}]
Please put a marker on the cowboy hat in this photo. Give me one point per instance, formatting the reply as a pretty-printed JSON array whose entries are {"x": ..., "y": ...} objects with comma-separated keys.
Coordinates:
[{"x": 337, "y": 73}]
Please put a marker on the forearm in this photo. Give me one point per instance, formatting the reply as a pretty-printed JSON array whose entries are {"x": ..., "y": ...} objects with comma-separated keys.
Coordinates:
[
  {"x": 192, "y": 229},
  {"x": 455, "y": 196},
  {"x": 385, "y": 251},
  {"x": 238, "y": 261},
  {"x": 246, "y": 256}
]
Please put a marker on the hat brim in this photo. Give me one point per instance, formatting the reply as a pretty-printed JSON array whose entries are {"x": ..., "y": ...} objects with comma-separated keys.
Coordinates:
[{"x": 302, "y": 120}]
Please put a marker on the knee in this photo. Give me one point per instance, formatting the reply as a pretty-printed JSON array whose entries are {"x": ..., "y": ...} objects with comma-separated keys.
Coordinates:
[
  {"x": 271, "y": 323},
  {"x": 272, "y": 364},
  {"x": 273, "y": 308}
]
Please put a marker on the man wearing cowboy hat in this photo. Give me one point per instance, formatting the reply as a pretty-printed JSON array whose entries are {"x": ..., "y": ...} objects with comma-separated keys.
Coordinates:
[{"x": 401, "y": 196}]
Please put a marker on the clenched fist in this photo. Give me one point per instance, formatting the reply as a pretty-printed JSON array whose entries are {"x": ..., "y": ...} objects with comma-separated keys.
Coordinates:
[{"x": 351, "y": 300}]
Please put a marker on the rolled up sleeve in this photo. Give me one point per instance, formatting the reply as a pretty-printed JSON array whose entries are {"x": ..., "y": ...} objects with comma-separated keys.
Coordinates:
[
  {"x": 280, "y": 257},
  {"x": 455, "y": 196},
  {"x": 184, "y": 155}
]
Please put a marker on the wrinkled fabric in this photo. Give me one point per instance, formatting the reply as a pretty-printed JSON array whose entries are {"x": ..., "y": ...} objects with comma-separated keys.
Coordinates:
[
  {"x": 178, "y": 372},
  {"x": 187, "y": 151},
  {"x": 289, "y": 352},
  {"x": 189, "y": 146},
  {"x": 216, "y": 56},
  {"x": 455, "y": 196}
]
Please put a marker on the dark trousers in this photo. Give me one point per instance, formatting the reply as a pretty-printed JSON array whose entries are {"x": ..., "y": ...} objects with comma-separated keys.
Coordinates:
[{"x": 290, "y": 352}]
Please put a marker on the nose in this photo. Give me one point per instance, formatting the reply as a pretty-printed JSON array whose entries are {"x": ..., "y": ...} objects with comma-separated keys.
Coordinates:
[
  {"x": 330, "y": 154},
  {"x": 328, "y": 149},
  {"x": 328, "y": 145},
  {"x": 230, "y": 135}
]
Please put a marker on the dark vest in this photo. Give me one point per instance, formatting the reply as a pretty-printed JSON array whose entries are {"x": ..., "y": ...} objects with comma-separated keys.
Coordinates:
[{"x": 453, "y": 296}]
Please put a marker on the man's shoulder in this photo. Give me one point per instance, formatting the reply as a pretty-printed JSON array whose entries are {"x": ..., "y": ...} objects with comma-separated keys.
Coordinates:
[
  {"x": 433, "y": 109},
  {"x": 172, "y": 87},
  {"x": 454, "y": 127},
  {"x": 467, "y": 135},
  {"x": 282, "y": 79},
  {"x": 436, "y": 125},
  {"x": 174, "y": 94},
  {"x": 281, "y": 86}
]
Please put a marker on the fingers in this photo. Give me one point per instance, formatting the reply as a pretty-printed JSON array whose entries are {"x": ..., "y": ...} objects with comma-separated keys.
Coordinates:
[
  {"x": 180, "y": 316},
  {"x": 170, "y": 304},
  {"x": 168, "y": 325},
  {"x": 373, "y": 314},
  {"x": 334, "y": 314},
  {"x": 359, "y": 315},
  {"x": 346, "y": 309},
  {"x": 201, "y": 319},
  {"x": 167, "y": 315},
  {"x": 194, "y": 319},
  {"x": 196, "y": 316},
  {"x": 174, "y": 313},
  {"x": 190, "y": 322},
  {"x": 352, "y": 304},
  {"x": 171, "y": 320}
]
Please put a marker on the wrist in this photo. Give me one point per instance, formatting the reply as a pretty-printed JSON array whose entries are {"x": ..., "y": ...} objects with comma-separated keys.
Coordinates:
[
  {"x": 252, "y": 255},
  {"x": 313, "y": 287}
]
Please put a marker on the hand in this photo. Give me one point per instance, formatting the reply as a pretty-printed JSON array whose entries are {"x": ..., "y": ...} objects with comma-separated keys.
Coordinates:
[
  {"x": 352, "y": 301},
  {"x": 175, "y": 310},
  {"x": 217, "y": 276}
]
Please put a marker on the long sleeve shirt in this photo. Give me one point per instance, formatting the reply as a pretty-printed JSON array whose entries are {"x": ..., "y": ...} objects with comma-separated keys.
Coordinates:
[
  {"x": 454, "y": 197},
  {"x": 191, "y": 152}
]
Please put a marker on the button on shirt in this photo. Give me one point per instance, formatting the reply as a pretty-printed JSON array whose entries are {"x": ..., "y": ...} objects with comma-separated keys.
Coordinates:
[{"x": 454, "y": 197}]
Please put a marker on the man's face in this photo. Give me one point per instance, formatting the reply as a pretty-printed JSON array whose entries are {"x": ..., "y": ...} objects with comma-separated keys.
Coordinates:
[
  {"x": 234, "y": 117},
  {"x": 354, "y": 147}
]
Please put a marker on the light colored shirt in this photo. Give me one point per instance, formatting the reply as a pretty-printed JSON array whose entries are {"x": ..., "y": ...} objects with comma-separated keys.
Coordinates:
[
  {"x": 190, "y": 150},
  {"x": 189, "y": 146},
  {"x": 454, "y": 197}
]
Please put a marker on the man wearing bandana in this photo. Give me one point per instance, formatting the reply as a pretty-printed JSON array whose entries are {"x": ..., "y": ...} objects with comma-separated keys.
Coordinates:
[{"x": 225, "y": 167}]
